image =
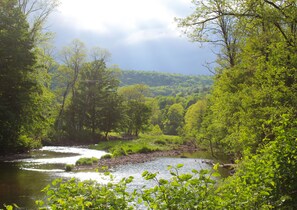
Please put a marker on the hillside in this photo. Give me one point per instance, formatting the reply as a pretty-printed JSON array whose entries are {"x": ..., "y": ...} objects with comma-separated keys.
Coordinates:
[{"x": 168, "y": 84}]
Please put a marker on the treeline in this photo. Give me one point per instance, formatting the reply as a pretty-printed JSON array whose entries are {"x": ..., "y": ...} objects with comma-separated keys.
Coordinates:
[{"x": 167, "y": 84}]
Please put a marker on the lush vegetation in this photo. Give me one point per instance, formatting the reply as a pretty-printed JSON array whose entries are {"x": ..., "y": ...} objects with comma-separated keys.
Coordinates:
[
  {"x": 167, "y": 84},
  {"x": 144, "y": 144},
  {"x": 250, "y": 114}
]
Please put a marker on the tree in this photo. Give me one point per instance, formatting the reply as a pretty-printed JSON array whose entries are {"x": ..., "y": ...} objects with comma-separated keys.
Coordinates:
[
  {"x": 98, "y": 91},
  {"x": 137, "y": 117},
  {"x": 73, "y": 58},
  {"x": 137, "y": 112},
  {"x": 16, "y": 87},
  {"x": 193, "y": 118},
  {"x": 93, "y": 105},
  {"x": 112, "y": 114},
  {"x": 136, "y": 92},
  {"x": 210, "y": 24},
  {"x": 37, "y": 13},
  {"x": 174, "y": 119}
]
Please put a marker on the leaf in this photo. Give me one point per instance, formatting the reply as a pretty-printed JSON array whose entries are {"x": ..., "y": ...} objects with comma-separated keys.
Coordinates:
[
  {"x": 216, "y": 166},
  {"x": 195, "y": 171},
  {"x": 216, "y": 174},
  {"x": 163, "y": 181},
  {"x": 179, "y": 165},
  {"x": 144, "y": 173},
  {"x": 169, "y": 167},
  {"x": 185, "y": 177}
]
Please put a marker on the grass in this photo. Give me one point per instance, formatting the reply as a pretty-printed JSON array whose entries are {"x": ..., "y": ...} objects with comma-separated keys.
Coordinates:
[
  {"x": 144, "y": 144},
  {"x": 86, "y": 161}
]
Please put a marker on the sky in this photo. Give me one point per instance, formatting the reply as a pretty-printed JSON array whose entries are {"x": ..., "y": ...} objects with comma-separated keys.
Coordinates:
[{"x": 139, "y": 34}]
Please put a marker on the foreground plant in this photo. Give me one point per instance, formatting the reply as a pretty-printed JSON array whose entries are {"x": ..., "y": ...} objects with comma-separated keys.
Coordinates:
[
  {"x": 74, "y": 194},
  {"x": 181, "y": 191}
]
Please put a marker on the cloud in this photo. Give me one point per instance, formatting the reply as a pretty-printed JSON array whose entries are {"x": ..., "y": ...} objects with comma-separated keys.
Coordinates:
[
  {"x": 140, "y": 34},
  {"x": 138, "y": 20}
]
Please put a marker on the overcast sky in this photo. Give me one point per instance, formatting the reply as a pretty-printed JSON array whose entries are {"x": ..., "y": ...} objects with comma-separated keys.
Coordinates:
[{"x": 140, "y": 34}]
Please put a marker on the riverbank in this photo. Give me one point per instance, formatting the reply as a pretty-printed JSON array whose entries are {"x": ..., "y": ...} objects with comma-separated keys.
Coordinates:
[
  {"x": 145, "y": 148},
  {"x": 12, "y": 157},
  {"x": 137, "y": 158}
]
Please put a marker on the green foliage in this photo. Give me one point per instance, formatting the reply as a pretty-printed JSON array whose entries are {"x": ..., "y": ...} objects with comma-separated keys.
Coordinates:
[
  {"x": 252, "y": 109},
  {"x": 106, "y": 156},
  {"x": 144, "y": 141},
  {"x": 86, "y": 161},
  {"x": 194, "y": 118},
  {"x": 137, "y": 112},
  {"x": 119, "y": 151},
  {"x": 161, "y": 142},
  {"x": 166, "y": 84},
  {"x": 136, "y": 92},
  {"x": 87, "y": 195},
  {"x": 266, "y": 180},
  {"x": 24, "y": 96},
  {"x": 90, "y": 104},
  {"x": 156, "y": 131},
  {"x": 69, "y": 167},
  {"x": 182, "y": 191},
  {"x": 145, "y": 149},
  {"x": 174, "y": 119}
]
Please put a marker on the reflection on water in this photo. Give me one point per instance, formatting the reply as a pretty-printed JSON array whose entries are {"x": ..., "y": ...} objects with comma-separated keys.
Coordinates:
[
  {"x": 22, "y": 180},
  {"x": 62, "y": 155},
  {"x": 21, "y": 186}
]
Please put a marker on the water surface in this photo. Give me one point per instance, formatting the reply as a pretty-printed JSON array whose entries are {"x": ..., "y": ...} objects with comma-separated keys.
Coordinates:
[{"x": 22, "y": 180}]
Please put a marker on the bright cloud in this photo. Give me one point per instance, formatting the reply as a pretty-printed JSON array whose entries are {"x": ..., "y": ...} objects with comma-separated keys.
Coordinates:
[{"x": 137, "y": 20}]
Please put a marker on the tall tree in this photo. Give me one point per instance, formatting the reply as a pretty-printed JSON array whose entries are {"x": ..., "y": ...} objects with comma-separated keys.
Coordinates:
[
  {"x": 174, "y": 119},
  {"x": 137, "y": 111},
  {"x": 37, "y": 13},
  {"x": 209, "y": 24},
  {"x": 73, "y": 57},
  {"x": 194, "y": 118},
  {"x": 94, "y": 105},
  {"x": 16, "y": 64}
]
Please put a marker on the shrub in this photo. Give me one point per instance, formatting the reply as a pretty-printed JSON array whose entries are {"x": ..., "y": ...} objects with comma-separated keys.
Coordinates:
[
  {"x": 69, "y": 167},
  {"x": 118, "y": 152},
  {"x": 182, "y": 191},
  {"x": 74, "y": 194},
  {"x": 86, "y": 161},
  {"x": 161, "y": 142},
  {"x": 106, "y": 156},
  {"x": 145, "y": 149}
]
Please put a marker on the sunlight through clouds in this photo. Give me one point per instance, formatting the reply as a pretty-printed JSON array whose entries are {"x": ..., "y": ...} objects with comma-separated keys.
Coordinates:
[
  {"x": 140, "y": 34},
  {"x": 137, "y": 20}
]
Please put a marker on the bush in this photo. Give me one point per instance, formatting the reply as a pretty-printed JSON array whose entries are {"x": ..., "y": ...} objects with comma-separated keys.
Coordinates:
[
  {"x": 86, "y": 161},
  {"x": 182, "y": 191},
  {"x": 106, "y": 156},
  {"x": 69, "y": 167},
  {"x": 145, "y": 149},
  {"x": 118, "y": 152},
  {"x": 74, "y": 194},
  {"x": 160, "y": 142}
]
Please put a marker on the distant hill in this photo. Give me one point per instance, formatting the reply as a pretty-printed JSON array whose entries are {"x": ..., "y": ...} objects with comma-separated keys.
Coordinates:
[{"x": 168, "y": 84}]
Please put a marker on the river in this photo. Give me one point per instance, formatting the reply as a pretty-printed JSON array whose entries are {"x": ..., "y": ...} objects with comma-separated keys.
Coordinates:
[{"x": 22, "y": 180}]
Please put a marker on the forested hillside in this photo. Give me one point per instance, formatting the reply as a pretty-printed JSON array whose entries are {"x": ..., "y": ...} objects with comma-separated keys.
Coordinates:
[{"x": 167, "y": 84}]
